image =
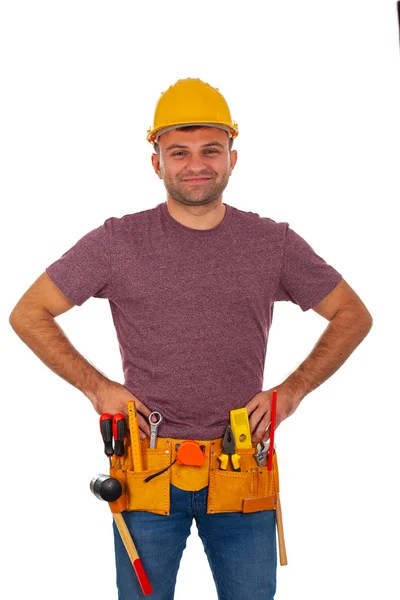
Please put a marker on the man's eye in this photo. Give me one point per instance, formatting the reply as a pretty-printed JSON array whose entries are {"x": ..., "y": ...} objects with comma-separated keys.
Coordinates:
[{"x": 181, "y": 151}]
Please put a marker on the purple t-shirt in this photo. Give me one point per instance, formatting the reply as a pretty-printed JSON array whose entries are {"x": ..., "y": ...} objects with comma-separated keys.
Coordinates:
[{"x": 192, "y": 308}]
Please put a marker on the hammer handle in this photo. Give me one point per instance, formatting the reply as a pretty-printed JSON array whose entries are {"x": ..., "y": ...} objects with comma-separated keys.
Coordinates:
[
  {"x": 132, "y": 553},
  {"x": 279, "y": 526}
]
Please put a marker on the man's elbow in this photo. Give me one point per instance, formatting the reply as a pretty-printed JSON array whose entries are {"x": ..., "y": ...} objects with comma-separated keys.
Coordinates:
[
  {"x": 13, "y": 319},
  {"x": 24, "y": 317},
  {"x": 364, "y": 322},
  {"x": 366, "y": 319},
  {"x": 369, "y": 323},
  {"x": 16, "y": 319},
  {"x": 356, "y": 322}
]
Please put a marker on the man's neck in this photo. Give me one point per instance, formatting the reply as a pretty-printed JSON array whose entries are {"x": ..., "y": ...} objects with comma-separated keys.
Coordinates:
[{"x": 205, "y": 216}]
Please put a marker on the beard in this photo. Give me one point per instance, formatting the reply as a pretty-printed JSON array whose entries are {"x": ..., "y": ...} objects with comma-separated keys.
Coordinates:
[{"x": 198, "y": 194}]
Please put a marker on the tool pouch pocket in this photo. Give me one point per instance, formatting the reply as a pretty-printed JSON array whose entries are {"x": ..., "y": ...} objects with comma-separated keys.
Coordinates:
[
  {"x": 251, "y": 489},
  {"x": 153, "y": 495}
]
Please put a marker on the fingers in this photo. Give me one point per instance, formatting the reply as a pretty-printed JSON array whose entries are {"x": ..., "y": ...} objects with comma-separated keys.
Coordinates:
[
  {"x": 250, "y": 406},
  {"x": 144, "y": 426},
  {"x": 143, "y": 414},
  {"x": 261, "y": 432},
  {"x": 254, "y": 419},
  {"x": 142, "y": 408}
]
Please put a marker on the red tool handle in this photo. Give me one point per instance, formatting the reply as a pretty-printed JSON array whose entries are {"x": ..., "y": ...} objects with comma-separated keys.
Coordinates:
[
  {"x": 272, "y": 434},
  {"x": 119, "y": 432},
  {"x": 132, "y": 553},
  {"x": 142, "y": 577},
  {"x": 106, "y": 433}
]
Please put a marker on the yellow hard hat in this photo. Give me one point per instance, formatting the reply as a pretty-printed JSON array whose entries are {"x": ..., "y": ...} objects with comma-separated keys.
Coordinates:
[{"x": 191, "y": 102}]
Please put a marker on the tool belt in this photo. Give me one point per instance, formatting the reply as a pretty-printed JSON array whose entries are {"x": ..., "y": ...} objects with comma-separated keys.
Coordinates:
[
  {"x": 237, "y": 476},
  {"x": 251, "y": 489}
]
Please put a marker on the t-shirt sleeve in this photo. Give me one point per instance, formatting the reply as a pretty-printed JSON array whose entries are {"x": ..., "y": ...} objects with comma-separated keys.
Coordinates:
[
  {"x": 85, "y": 269},
  {"x": 306, "y": 278}
]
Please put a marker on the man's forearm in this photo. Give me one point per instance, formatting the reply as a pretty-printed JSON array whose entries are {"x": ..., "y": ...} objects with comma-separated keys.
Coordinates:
[
  {"x": 40, "y": 332},
  {"x": 340, "y": 338}
]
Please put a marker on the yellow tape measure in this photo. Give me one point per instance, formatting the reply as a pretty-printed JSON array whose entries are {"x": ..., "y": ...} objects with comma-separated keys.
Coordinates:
[
  {"x": 241, "y": 428},
  {"x": 135, "y": 437}
]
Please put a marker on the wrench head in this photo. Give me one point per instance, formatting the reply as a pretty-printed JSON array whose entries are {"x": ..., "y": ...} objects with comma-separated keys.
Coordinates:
[{"x": 265, "y": 446}]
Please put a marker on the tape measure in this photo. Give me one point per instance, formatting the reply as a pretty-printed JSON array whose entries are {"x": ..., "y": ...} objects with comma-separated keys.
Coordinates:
[
  {"x": 241, "y": 428},
  {"x": 135, "y": 437}
]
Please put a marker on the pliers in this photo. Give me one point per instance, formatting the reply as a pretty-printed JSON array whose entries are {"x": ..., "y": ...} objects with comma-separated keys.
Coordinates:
[{"x": 228, "y": 445}]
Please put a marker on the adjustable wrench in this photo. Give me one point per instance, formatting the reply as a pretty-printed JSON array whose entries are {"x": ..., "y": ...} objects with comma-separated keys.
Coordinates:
[{"x": 260, "y": 455}]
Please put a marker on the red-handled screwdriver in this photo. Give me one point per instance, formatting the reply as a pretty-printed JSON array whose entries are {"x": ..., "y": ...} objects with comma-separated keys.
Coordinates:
[
  {"x": 119, "y": 432},
  {"x": 272, "y": 430},
  {"x": 106, "y": 432}
]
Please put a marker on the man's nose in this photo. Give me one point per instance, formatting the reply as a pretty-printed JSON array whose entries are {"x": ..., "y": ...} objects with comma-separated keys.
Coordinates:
[{"x": 196, "y": 163}]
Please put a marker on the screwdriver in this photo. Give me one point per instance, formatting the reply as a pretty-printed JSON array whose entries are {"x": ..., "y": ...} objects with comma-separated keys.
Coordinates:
[
  {"x": 119, "y": 432},
  {"x": 272, "y": 430},
  {"x": 106, "y": 432}
]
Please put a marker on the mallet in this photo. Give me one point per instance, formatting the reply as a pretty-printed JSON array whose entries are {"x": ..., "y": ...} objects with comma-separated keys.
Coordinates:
[{"x": 109, "y": 489}]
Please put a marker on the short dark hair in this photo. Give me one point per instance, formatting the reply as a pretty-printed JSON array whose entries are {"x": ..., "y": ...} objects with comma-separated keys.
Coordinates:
[{"x": 189, "y": 128}]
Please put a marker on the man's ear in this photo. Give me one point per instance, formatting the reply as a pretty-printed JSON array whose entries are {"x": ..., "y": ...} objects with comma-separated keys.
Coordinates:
[
  {"x": 155, "y": 160},
  {"x": 234, "y": 157}
]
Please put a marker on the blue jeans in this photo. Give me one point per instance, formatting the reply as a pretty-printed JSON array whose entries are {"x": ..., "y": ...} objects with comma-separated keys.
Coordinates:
[{"x": 240, "y": 548}]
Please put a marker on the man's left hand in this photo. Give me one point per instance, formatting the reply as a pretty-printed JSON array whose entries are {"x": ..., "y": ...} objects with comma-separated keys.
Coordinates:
[{"x": 259, "y": 411}]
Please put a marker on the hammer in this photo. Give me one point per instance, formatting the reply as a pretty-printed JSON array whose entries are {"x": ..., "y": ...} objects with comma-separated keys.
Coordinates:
[{"x": 110, "y": 489}]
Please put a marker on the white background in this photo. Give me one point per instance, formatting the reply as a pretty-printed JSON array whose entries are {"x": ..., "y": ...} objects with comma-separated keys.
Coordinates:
[{"x": 315, "y": 89}]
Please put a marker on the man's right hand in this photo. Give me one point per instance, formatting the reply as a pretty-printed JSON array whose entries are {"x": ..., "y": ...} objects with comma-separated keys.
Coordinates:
[
  {"x": 34, "y": 320},
  {"x": 113, "y": 398}
]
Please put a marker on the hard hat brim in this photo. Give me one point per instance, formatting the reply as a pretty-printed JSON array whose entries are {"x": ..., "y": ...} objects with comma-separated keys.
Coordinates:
[{"x": 154, "y": 134}]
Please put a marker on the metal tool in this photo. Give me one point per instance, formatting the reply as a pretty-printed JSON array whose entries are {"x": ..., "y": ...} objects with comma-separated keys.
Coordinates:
[
  {"x": 106, "y": 488},
  {"x": 228, "y": 445},
  {"x": 260, "y": 455},
  {"x": 262, "y": 451},
  {"x": 153, "y": 427}
]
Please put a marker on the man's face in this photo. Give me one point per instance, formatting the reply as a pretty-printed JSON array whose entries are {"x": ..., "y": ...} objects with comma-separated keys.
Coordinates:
[{"x": 202, "y": 154}]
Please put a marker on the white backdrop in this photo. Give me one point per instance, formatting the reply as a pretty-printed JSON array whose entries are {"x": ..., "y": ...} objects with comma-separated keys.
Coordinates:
[{"x": 315, "y": 89}]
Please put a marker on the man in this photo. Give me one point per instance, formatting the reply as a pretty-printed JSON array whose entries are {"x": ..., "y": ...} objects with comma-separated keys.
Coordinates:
[{"x": 191, "y": 285}]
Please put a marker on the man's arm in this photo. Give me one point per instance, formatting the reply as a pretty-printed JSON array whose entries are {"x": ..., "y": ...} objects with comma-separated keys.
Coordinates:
[
  {"x": 33, "y": 320},
  {"x": 349, "y": 324}
]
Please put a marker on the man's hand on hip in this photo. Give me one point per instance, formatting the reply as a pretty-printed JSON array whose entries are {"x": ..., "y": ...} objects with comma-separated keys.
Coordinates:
[
  {"x": 259, "y": 411},
  {"x": 113, "y": 398}
]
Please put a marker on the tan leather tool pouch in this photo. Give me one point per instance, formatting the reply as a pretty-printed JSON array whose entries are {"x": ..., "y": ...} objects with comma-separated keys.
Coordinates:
[
  {"x": 251, "y": 489},
  {"x": 152, "y": 496}
]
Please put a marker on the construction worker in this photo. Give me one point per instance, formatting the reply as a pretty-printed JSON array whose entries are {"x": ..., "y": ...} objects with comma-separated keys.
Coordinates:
[{"x": 191, "y": 284}]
